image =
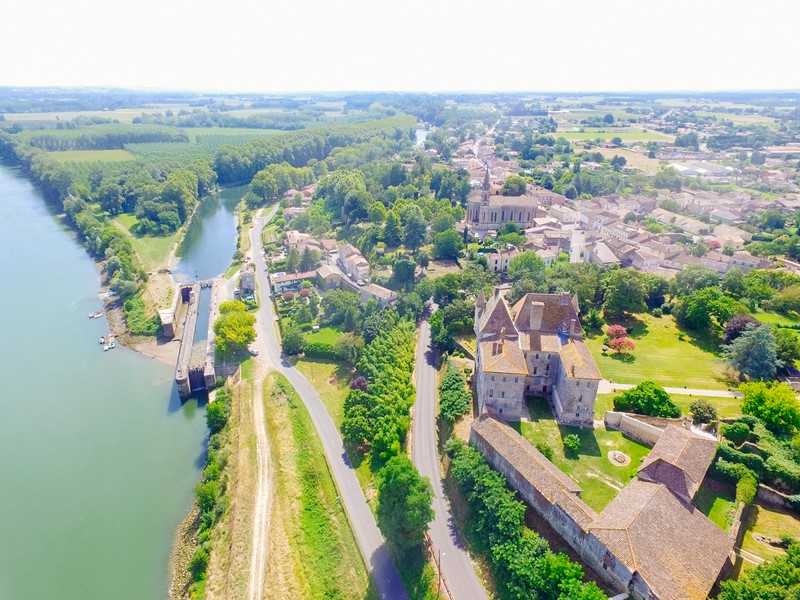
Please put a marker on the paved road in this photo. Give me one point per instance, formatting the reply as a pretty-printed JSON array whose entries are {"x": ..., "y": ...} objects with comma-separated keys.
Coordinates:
[
  {"x": 457, "y": 570},
  {"x": 606, "y": 387},
  {"x": 370, "y": 541}
]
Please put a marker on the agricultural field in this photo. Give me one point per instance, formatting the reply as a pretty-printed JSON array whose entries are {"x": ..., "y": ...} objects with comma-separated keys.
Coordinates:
[
  {"x": 123, "y": 115},
  {"x": 664, "y": 354},
  {"x": 591, "y": 468},
  {"x": 626, "y": 134},
  {"x": 648, "y": 166},
  {"x": 91, "y": 156}
]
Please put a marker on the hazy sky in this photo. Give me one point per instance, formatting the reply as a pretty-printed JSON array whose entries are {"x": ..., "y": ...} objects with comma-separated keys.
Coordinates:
[{"x": 293, "y": 45}]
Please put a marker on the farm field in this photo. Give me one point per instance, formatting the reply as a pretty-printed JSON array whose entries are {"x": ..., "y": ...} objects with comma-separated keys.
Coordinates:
[
  {"x": 591, "y": 468},
  {"x": 662, "y": 356},
  {"x": 90, "y": 156},
  {"x": 649, "y": 166},
  {"x": 627, "y": 135},
  {"x": 123, "y": 115}
]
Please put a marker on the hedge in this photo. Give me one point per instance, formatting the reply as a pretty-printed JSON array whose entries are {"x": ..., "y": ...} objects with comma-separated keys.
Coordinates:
[
  {"x": 751, "y": 461},
  {"x": 729, "y": 471},
  {"x": 746, "y": 489},
  {"x": 320, "y": 350}
]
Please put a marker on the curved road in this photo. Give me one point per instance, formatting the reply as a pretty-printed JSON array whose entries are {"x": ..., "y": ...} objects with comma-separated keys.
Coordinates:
[
  {"x": 459, "y": 575},
  {"x": 370, "y": 541}
]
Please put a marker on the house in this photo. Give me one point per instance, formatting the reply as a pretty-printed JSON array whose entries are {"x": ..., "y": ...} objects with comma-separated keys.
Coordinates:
[
  {"x": 247, "y": 282},
  {"x": 649, "y": 542},
  {"x": 747, "y": 262},
  {"x": 498, "y": 261},
  {"x": 291, "y": 212},
  {"x": 535, "y": 347},
  {"x": 288, "y": 281},
  {"x": 353, "y": 263}
]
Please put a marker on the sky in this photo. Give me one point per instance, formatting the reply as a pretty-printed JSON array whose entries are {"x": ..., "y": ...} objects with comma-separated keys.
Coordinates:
[{"x": 403, "y": 45}]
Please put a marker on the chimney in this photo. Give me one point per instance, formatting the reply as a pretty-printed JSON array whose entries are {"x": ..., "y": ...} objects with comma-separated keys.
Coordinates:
[
  {"x": 572, "y": 327},
  {"x": 537, "y": 312},
  {"x": 564, "y": 298}
]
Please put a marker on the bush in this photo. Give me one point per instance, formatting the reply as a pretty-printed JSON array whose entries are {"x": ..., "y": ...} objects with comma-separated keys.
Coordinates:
[
  {"x": 752, "y": 461},
  {"x": 666, "y": 308},
  {"x": 703, "y": 412},
  {"x": 616, "y": 332},
  {"x": 320, "y": 350},
  {"x": 455, "y": 399},
  {"x": 572, "y": 442},
  {"x": 728, "y": 471},
  {"x": 737, "y": 432},
  {"x": 136, "y": 317},
  {"x": 657, "y": 312},
  {"x": 546, "y": 450},
  {"x": 746, "y": 489},
  {"x": 199, "y": 564},
  {"x": 647, "y": 398}
]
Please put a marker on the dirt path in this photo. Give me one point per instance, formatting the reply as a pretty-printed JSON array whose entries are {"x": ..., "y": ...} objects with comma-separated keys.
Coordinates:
[{"x": 263, "y": 505}]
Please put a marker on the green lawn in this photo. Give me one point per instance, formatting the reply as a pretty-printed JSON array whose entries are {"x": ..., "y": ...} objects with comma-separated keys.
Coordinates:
[
  {"x": 152, "y": 250},
  {"x": 331, "y": 379},
  {"x": 91, "y": 156},
  {"x": 628, "y": 135},
  {"x": 776, "y": 318},
  {"x": 771, "y": 522},
  {"x": 662, "y": 356},
  {"x": 599, "y": 478},
  {"x": 325, "y": 335},
  {"x": 717, "y": 502},
  {"x": 726, "y": 407}
]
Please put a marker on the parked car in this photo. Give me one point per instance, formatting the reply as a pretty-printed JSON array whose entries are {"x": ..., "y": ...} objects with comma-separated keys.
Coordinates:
[{"x": 252, "y": 351}]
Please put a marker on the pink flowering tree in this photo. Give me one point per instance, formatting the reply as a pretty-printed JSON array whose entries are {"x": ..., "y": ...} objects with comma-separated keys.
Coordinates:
[
  {"x": 288, "y": 296},
  {"x": 304, "y": 292},
  {"x": 616, "y": 332},
  {"x": 622, "y": 345}
]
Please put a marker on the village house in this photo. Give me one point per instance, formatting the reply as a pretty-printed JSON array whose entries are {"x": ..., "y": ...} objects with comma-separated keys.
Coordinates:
[
  {"x": 282, "y": 282},
  {"x": 649, "y": 542},
  {"x": 353, "y": 263},
  {"x": 536, "y": 348}
]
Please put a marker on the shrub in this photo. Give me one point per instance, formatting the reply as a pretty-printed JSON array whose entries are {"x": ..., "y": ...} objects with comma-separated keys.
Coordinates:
[
  {"x": 666, "y": 308},
  {"x": 736, "y": 432},
  {"x": 572, "y": 442},
  {"x": 647, "y": 398},
  {"x": 622, "y": 345},
  {"x": 746, "y": 489},
  {"x": 703, "y": 412},
  {"x": 288, "y": 296},
  {"x": 728, "y": 471},
  {"x": 546, "y": 450},
  {"x": 752, "y": 461},
  {"x": 199, "y": 564},
  {"x": 455, "y": 399},
  {"x": 320, "y": 350},
  {"x": 304, "y": 292},
  {"x": 616, "y": 332},
  {"x": 657, "y": 312}
]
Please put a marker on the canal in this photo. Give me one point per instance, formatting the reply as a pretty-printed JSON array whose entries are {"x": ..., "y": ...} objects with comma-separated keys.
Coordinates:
[{"x": 99, "y": 457}]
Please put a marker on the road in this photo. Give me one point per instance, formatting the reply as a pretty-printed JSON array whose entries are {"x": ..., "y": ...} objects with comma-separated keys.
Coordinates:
[
  {"x": 457, "y": 570},
  {"x": 370, "y": 541}
]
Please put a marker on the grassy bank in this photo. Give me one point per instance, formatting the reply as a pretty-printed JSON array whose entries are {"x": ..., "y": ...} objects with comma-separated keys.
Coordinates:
[{"x": 312, "y": 550}]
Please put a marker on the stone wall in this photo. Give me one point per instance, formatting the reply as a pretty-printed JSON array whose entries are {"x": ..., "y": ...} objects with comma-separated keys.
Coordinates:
[
  {"x": 772, "y": 497},
  {"x": 633, "y": 427}
]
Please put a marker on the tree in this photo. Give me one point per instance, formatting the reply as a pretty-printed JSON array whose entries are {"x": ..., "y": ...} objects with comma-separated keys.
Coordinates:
[
  {"x": 293, "y": 341},
  {"x": 572, "y": 443},
  {"x": 696, "y": 310},
  {"x": 309, "y": 260},
  {"x": 753, "y": 353},
  {"x": 303, "y": 315},
  {"x": 415, "y": 228},
  {"x": 776, "y": 579},
  {"x": 624, "y": 293},
  {"x": 110, "y": 198},
  {"x": 608, "y": 119},
  {"x": 403, "y": 271},
  {"x": 423, "y": 259},
  {"x": 264, "y": 185},
  {"x": 787, "y": 348},
  {"x": 348, "y": 347},
  {"x": 293, "y": 260},
  {"x": 703, "y": 412},
  {"x": 527, "y": 265},
  {"x": 455, "y": 399},
  {"x": 391, "y": 230},
  {"x": 774, "y": 403},
  {"x": 404, "y": 503},
  {"x": 736, "y": 325},
  {"x": 693, "y": 278},
  {"x": 622, "y": 345},
  {"x": 234, "y": 330},
  {"x": 617, "y": 162},
  {"x": 616, "y": 331},
  {"x": 647, "y": 398},
  {"x": 448, "y": 244},
  {"x": 342, "y": 308},
  {"x": 733, "y": 283},
  {"x": 616, "y": 141},
  {"x": 216, "y": 416},
  {"x": 514, "y": 185},
  {"x": 313, "y": 305}
]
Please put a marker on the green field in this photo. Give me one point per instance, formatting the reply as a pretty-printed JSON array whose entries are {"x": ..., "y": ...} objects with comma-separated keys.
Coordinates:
[
  {"x": 770, "y": 522},
  {"x": 726, "y": 407},
  {"x": 331, "y": 379},
  {"x": 663, "y": 357},
  {"x": 599, "y": 478},
  {"x": 152, "y": 251},
  {"x": 648, "y": 166},
  {"x": 123, "y": 115},
  {"x": 627, "y": 135},
  {"x": 90, "y": 156},
  {"x": 776, "y": 319},
  {"x": 717, "y": 502}
]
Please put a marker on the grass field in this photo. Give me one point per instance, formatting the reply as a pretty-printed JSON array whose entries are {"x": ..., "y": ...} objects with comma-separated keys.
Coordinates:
[
  {"x": 770, "y": 522},
  {"x": 776, "y": 318},
  {"x": 717, "y": 502},
  {"x": 663, "y": 357},
  {"x": 627, "y": 135},
  {"x": 649, "y": 166},
  {"x": 123, "y": 115},
  {"x": 591, "y": 468},
  {"x": 726, "y": 407},
  {"x": 331, "y": 379},
  {"x": 152, "y": 251},
  {"x": 312, "y": 549},
  {"x": 91, "y": 156}
]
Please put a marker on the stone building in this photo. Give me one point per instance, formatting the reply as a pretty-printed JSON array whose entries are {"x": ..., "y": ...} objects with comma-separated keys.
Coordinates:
[
  {"x": 535, "y": 348},
  {"x": 649, "y": 542},
  {"x": 487, "y": 209}
]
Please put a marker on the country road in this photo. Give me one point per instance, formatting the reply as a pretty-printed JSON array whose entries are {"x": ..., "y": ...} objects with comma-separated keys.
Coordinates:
[
  {"x": 459, "y": 575},
  {"x": 370, "y": 541}
]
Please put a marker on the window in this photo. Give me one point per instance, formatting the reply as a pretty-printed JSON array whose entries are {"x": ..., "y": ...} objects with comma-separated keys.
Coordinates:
[
  {"x": 588, "y": 384},
  {"x": 504, "y": 379},
  {"x": 580, "y": 399},
  {"x": 577, "y": 414},
  {"x": 548, "y": 357},
  {"x": 535, "y": 370},
  {"x": 537, "y": 356},
  {"x": 516, "y": 379},
  {"x": 491, "y": 393},
  {"x": 492, "y": 377},
  {"x": 577, "y": 383},
  {"x": 502, "y": 394}
]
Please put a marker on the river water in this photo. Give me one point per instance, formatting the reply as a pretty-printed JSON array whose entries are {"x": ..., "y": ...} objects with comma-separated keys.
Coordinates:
[{"x": 98, "y": 458}]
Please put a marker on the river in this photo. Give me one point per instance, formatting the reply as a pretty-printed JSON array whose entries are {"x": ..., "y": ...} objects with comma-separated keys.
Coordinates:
[{"x": 98, "y": 458}]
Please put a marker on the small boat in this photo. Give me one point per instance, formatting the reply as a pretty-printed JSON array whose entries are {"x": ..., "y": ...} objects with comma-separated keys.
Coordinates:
[
  {"x": 102, "y": 340},
  {"x": 112, "y": 344},
  {"x": 105, "y": 348},
  {"x": 95, "y": 315}
]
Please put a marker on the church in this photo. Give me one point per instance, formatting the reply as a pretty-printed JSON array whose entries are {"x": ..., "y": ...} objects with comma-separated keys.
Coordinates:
[{"x": 488, "y": 209}]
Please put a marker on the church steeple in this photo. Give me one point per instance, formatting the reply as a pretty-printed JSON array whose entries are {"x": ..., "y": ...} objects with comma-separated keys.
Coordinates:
[
  {"x": 486, "y": 180},
  {"x": 486, "y": 192}
]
